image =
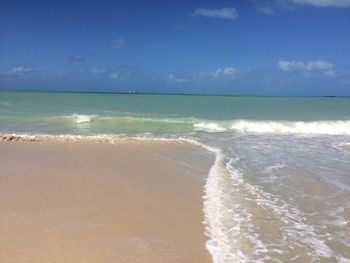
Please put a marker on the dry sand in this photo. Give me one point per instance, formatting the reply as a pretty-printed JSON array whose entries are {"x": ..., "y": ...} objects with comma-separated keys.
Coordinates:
[{"x": 95, "y": 202}]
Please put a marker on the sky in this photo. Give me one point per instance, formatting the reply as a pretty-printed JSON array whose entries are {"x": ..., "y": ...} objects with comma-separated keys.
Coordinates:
[{"x": 246, "y": 47}]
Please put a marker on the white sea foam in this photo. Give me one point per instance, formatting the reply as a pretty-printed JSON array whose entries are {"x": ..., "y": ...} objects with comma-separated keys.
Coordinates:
[
  {"x": 85, "y": 118},
  {"x": 335, "y": 127},
  {"x": 219, "y": 244},
  {"x": 275, "y": 167},
  {"x": 221, "y": 217},
  {"x": 299, "y": 127},
  {"x": 209, "y": 127},
  {"x": 80, "y": 118},
  {"x": 294, "y": 220},
  {"x": 343, "y": 146},
  {"x": 60, "y": 138},
  {"x": 105, "y": 138}
]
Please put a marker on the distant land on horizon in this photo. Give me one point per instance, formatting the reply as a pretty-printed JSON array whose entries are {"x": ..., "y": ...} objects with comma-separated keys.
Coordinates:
[{"x": 159, "y": 93}]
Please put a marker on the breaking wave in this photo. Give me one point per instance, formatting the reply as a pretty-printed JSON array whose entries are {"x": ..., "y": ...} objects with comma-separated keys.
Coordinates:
[
  {"x": 79, "y": 118},
  {"x": 209, "y": 127},
  {"x": 323, "y": 127},
  {"x": 299, "y": 127}
]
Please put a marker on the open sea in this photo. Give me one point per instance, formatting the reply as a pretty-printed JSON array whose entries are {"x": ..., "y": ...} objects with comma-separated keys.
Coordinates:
[{"x": 279, "y": 190}]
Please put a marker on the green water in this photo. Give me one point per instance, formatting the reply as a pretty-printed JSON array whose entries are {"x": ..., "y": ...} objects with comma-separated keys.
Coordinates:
[
  {"x": 203, "y": 107},
  {"x": 122, "y": 113}
]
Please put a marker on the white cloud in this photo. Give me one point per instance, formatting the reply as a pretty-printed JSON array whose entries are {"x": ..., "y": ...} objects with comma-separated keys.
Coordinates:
[
  {"x": 118, "y": 43},
  {"x": 16, "y": 72},
  {"x": 271, "y": 7},
  {"x": 276, "y": 6},
  {"x": 330, "y": 73},
  {"x": 220, "y": 74},
  {"x": 224, "y": 72},
  {"x": 114, "y": 75},
  {"x": 178, "y": 79},
  {"x": 97, "y": 71},
  {"x": 325, "y": 67},
  {"x": 20, "y": 70},
  {"x": 324, "y": 3},
  {"x": 224, "y": 13},
  {"x": 265, "y": 9},
  {"x": 291, "y": 65},
  {"x": 319, "y": 65}
]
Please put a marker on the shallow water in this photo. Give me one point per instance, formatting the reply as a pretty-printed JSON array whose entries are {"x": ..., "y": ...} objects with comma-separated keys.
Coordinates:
[{"x": 280, "y": 187}]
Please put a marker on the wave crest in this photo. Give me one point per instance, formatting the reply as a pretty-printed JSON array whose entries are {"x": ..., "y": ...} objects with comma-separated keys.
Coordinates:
[
  {"x": 188, "y": 124},
  {"x": 79, "y": 118},
  {"x": 299, "y": 127},
  {"x": 209, "y": 127}
]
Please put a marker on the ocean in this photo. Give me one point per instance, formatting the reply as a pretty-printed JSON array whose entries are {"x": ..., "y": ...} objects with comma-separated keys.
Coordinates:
[{"x": 279, "y": 190}]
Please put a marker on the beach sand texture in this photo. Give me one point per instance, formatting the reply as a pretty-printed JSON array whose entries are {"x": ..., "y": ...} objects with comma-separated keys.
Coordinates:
[{"x": 134, "y": 201}]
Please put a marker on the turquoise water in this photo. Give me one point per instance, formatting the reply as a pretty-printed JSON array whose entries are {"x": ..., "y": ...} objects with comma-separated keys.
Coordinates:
[
  {"x": 76, "y": 113},
  {"x": 279, "y": 190}
]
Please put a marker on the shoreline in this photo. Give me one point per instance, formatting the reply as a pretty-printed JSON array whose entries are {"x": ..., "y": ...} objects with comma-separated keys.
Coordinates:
[
  {"x": 96, "y": 138},
  {"x": 100, "y": 201}
]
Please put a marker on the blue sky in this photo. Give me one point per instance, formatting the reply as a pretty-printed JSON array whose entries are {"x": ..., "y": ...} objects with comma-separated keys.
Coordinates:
[{"x": 247, "y": 47}]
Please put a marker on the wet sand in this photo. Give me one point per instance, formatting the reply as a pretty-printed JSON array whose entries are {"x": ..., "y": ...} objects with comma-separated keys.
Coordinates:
[{"x": 135, "y": 201}]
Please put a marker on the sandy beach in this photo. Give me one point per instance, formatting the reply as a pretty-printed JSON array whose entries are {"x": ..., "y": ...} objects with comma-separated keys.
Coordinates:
[{"x": 134, "y": 201}]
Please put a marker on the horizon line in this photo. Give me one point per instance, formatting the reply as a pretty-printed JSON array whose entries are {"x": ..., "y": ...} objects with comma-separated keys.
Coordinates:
[{"x": 132, "y": 92}]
